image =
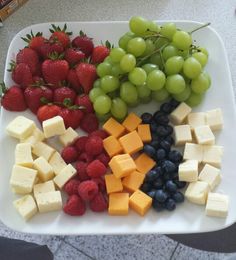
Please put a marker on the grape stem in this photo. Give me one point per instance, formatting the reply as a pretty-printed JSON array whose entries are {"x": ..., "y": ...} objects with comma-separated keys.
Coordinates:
[
  {"x": 200, "y": 27},
  {"x": 156, "y": 35}
]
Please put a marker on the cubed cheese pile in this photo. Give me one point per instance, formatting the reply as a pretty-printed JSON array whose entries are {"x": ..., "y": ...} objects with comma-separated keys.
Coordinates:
[
  {"x": 39, "y": 172},
  {"x": 195, "y": 132}
]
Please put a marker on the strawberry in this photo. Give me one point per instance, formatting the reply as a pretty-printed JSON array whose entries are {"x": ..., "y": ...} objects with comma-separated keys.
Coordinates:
[
  {"x": 64, "y": 92},
  {"x": 48, "y": 48},
  {"x": 83, "y": 100},
  {"x": 99, "y": 54},
  {"x": 84, "y": 43},
  {"x": 13, "y": 98},
  {"x": 72, "y": 116},
  {"x": 73, "y": 56},
  {"x": 60, "y": 35},
  {"x": 47, "y": 111},
  {"x": 73, "y": 80},
  {"x": 87, "y": 75}
]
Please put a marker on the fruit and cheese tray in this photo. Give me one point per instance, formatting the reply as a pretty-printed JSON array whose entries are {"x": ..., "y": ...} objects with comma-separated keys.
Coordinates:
[{"x": 117, "y": 127}]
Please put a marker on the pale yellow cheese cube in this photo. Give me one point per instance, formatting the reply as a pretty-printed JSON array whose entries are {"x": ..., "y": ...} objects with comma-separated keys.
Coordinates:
[
  {"x": 37, "y": 136},
  {"x": 64, "y": 176},
  {"x": 44, "y": 150},
  {"x": 23, "y": 155},
  {"x": 49, "y": 201},
  {"x": 193, "y": 152},
  {"x": 45, "y": 170},
  {"x": 212, "y": 155},
  {"x": 54, "y": 126},
  {"x": 43, "y": 187},
  {"x": 197, "y": 192},
  {"x": 188, "y": 171},
  {"x": 68, "y": 137},
  {"x": 182, "y": 134},
  {"x": 57, "y": 163},
  {"x": 180, "y": 113},
  {"x": 204, "y": 135},
  {"x": 196, "y": 119},
  {"x": 214, "y": 118},
  {"x": 211, "y": 175}
]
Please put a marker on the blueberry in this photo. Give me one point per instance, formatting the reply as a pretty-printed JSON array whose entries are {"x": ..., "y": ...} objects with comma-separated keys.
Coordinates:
[
  {"x": 165, "y": 145},
  {"x": 160, "y": 154},
  {"x": 151, "y": 176},
  {"x": 157, "y": 114},
  {"x": 169, "y": 139},
  {"x": 153, "y": 127},
  {"x": 180, "y": 184},
  {"x": 175, "y": 156},
  {"x": 171, "y": 186},
  {"x": 149, "y": 150},
  {"x": 146, "y": 187},
  {"x": 151, "y": 193},
  {"x": 168, "y": 166},
  {"x": 157, "y": 205},
  {"x": 155, "y": 137},
  {"x": 169, "y": 129},
  {"x": 166, "y": 108},
  {"x": 175, "y": 175},
  {"x": 170, "y": 204},
  {"x": 174, "y": 103},
  {"x": 161, "y": 119},
  {"x": 154, "y": 143},
  {"x": 167, "y": 176},
  {"x": 161, "y": 131},
  {"x": 158, "y": 183},
  {"x": 178, "y": 197},
  {"x": 146, "y": 118},
  {"x": 161, "y": 196},
  {"x": 158, "y": 171}
]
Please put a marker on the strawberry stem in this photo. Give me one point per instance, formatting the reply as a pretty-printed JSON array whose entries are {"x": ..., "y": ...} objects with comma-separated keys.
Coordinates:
[
  {"x": 3, "y": 88},
  {"x": 12, "y": 66},
  {"x": 58, "y": 29}
]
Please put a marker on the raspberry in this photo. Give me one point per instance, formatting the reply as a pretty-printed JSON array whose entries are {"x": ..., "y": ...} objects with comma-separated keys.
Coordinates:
[
  {"x": 94, "y": 145},
  {"x": 101, "y": 184},
  {"x": 69, "y": 154},
  {"x": 80, "y": 143},
  {"x": 96, "y": 169},
  {"x": 89, "y": 123},
  {"x": 101, "y": 133},
  {"x": 87, "y": 190},
  {"x": 83, "y": 100},
  {"x": 81, "y": 170},
  {"x": 98, "y": 203},
  {"x": 74, "y": 206},
  {"x": 85, "y": 157},
  {"x": 104, "y": 158},
  {"x": 71, "y": 187}
]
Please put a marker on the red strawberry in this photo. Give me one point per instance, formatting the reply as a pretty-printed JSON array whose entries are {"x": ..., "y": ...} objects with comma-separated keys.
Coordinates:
[
  {"x": 74, "y": 206},
  {"x": 13, "y": 98},
  {"x": 99, "y": 54},
  {"x": 73, "y": 80},
  {"x": 84, "y": 43},
  {"x": 73, "y": 56},
  {"x": 48, "y": 48},
  {"x": 83, "y": 100},
  {"x": 72, "y": 117},
  {"x": 60, "y": 35},
  {"x": 48, "y": 111},
  {"x": 87, "y": 75},
  {"x": 64, "y": 92}
]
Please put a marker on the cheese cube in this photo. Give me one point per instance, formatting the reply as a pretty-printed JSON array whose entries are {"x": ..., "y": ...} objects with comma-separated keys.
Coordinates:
[
  {"x": 122, "y": 165},
  {"x": 22, "y": 179},
  {"x": 204, "y": 135},
  {"x": 144, "y": 163},
  {"x": 217, "y": 205},
  {"x": 57, "y": 163},
  {"x": 112, "y": 127},
  {"x": 21, "y": 127},
  {"x": 197, "y": 192},
  {"x": 49, "y": 201},
  {"x": 196, "y": 119},
  {"x": 214, "y": 118},
  {"x": 112, "y": 146},
  {"x": 140, "y": 202},
  {"x": 37, "y": 136},
  {"x": 180, "y": 113},
  {"x": 131, "y": 142},
  {"x": 23, "y": 155},
  {"x": 45, "y": 170},
  {"x": 212, "y": 154},
  {"x": 26, "y": 206},
  {"x": 211, "y": 175},
  {"x": 43, "y": 187},
  {"x": 182, "y": 134},
  {"x": 68, "y": 137},
  {"x": 144, "y": 132},
  {"x": 54, "y": 126},
  {"x": 188, "y": 171},
  {"x": 131, "y": 122},
  {"x": 44, "y": 150},
  {"x": 193, "y": 152},
  {"x": 118, "y": 204},
  {"x": 64, "y": 176},
  {"x": 113, "y": 184},
  {"x": 133, "y": 181}
]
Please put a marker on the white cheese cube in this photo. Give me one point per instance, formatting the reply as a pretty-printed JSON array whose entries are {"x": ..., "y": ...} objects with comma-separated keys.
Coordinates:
[
  {"x": 182, "y": 134},
  {"x": 23, "y": 155},
  {"x": 188, "y": 171},
  {"x": 57, "y": 163},
  {"x": 211, "y": 175},
  {"x": 43, "y": 187},
  {"x": 45, "y": 170},
  {"x": 65, "y": 175},
  {"x": 197, "y": 192},
  {"x": 196, "y": 119},
  {"x": 26, "y": 206},
  {"x": 49, "y": 201},
  {"x": 204, "y": 135},
  {"x": 180, "y": 113},
  {"x": 37, "y": 136},
  {"x": 193, "y": 152},
  {"x": 21, "y": 127},
  {"x": 44, "y": 150},
  {"x": 217, "y": 205},
  {"x": 54, "y": 126},
  {"x": 68, "y": 137},
  {"x": 212, "y": 155},
  {"x": 22, "y": 179},
  {"x": 214, "y": 118}
]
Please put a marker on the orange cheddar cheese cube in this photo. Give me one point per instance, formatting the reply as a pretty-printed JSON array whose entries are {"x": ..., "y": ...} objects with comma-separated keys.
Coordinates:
[
  {"x": 144, "y": 163},
  {"x": 112, "y": 146},
  {"x": 122, "y": 165},
  {"x": 131, "y": 142},
  {"x": 131, "y": 122},
  {"x": 112, "y": 127},
  {"x": 133, "y": 181},
  {"x": 113, "y": 184},
  {"x": 144, "y": 132},
  {"x": 118, "y": 204},
  {"x": 140, "y": 202}
]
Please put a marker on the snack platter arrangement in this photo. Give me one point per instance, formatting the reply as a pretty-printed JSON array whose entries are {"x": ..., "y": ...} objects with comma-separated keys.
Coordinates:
[{"x": 117, "y": 128}]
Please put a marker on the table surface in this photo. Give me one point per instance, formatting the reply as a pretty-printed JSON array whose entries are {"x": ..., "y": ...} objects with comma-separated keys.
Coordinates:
[{"x": 220, "y": 13}]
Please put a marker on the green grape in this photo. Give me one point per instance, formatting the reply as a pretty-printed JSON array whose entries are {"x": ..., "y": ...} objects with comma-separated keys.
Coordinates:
[
  {"x": 108, "y": 60},
  {"x": 194, "y": 99},
  {"x": 156, "y": 59},
  {"x": 138, "y": 25},
  {"x": 116, "y": 70},
  {"x": 153, "y": 27},
  {"x": 128, "y": 92},
  {"x": 174, "y": 65},
  {"x": 137, "y": 76},
  {"x": 192, "y": 68},
  {"x": 135, "y": 104},
  {"x": 123, "y": 41},
  {"x": 169, "y": 51},
  {"x": 150, "y": 47},
  {"x": 136, "y": 46},
  {"x": 200, "y": 84},
  {"x": 94, "y": 93},
  {"x": 148, "y": 67},
  {"x": 102, "y": 104},
  {"x": 208, "y": 76},
  {"x": 184, "y": 95},
  {"x": 104, "y": 69},
  {"x": 156, "y": 80},
  {"x": 160, "y": 95},
  {"x": 161, "y": 42},
  {"x": 145, "y": 100},
  {"x": 204, "y": 50},
  {"x": 175, "y": 84},
  {"x": 109, "y": 83},
  {"x": 103, "y": 118},
  {"x": 143, "y": 91},
  {"x": 168, "y": 30},
  {"x": 118, "y": 108},
  {"x": 200, "y": 57},
  {"x": 114, "y": 93},
  {"x": 184, "y": 54},
  {"x": 97, "y": 83},
  {"x": 128, "y": 62},
  {"x": 116, "y": 54},
  {"x": 182, "y": 40}
]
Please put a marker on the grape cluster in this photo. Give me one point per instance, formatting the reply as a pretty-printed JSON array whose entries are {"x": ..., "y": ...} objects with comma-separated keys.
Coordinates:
[{"x": 151, "y": 62}]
